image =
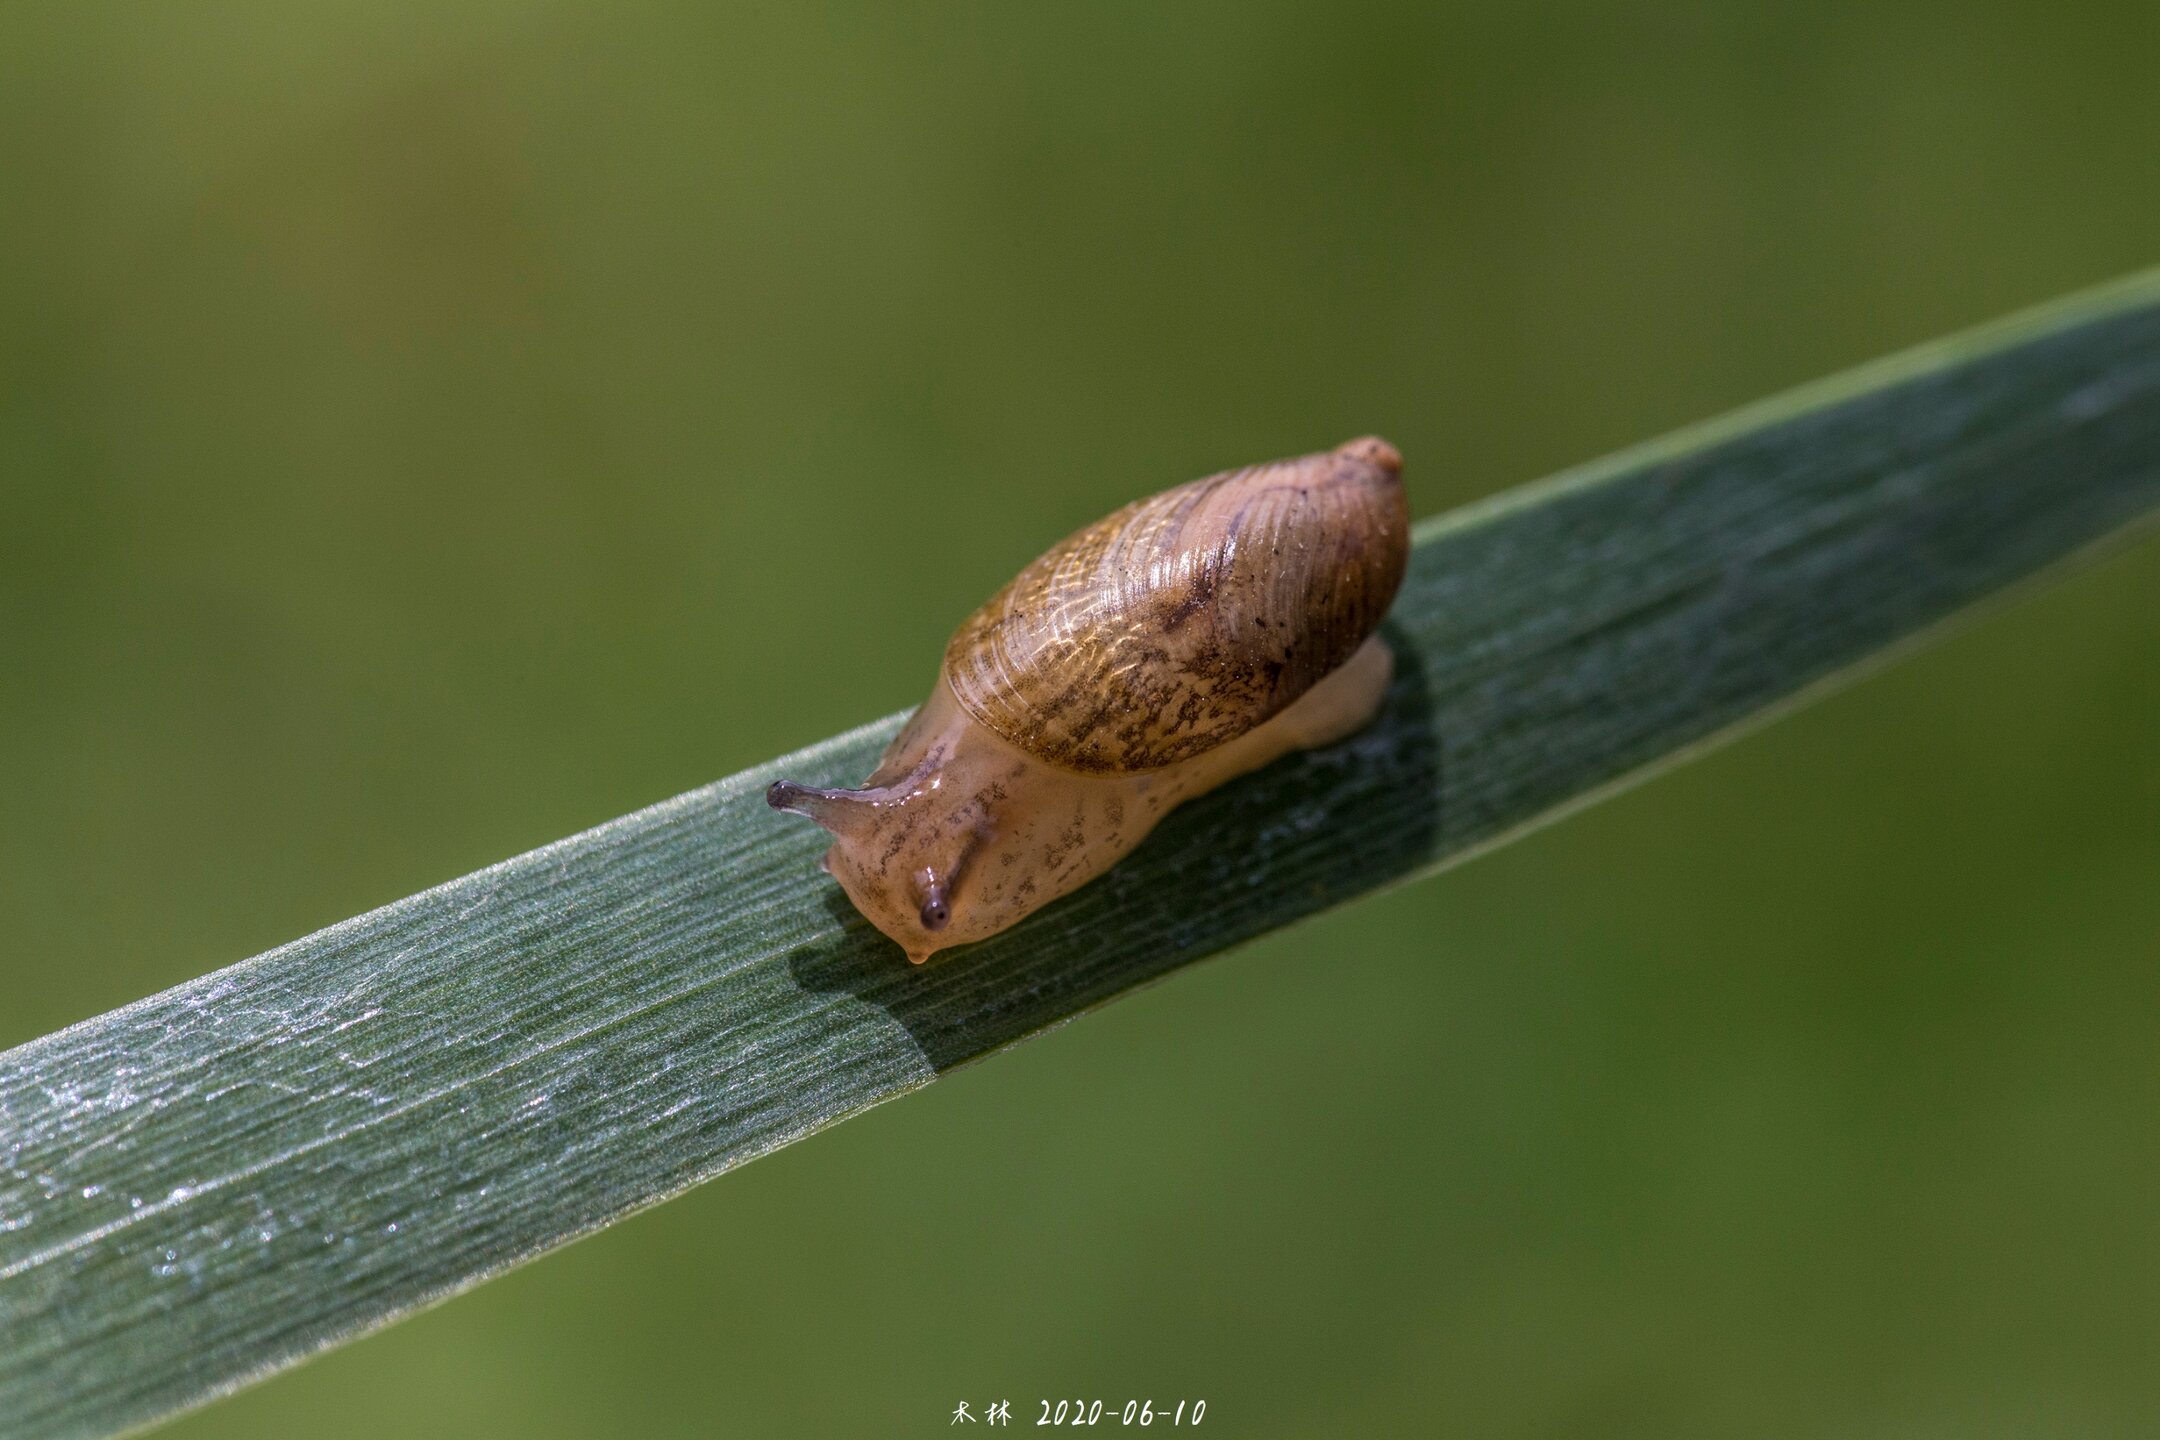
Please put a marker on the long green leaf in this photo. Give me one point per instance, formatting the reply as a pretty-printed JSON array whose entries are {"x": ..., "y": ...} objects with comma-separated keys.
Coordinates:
[{"x": 216, "y": 1181}]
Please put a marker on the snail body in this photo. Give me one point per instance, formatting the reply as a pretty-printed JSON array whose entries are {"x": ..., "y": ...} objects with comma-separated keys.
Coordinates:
[{"x": 1185, "y": 640}]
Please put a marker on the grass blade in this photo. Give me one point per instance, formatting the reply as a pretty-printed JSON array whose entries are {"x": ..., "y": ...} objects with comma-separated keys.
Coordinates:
[{"x": 217, "y": 1181}]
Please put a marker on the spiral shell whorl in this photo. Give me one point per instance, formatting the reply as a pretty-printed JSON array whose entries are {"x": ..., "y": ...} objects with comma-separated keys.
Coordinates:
[{"x": 1186, "y": 619}]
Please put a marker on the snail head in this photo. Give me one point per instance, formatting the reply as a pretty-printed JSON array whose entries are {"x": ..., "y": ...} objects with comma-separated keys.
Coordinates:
[{"x": 901, "y": 852}]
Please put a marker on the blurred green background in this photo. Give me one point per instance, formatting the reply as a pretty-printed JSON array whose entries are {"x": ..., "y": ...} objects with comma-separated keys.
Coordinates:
[{"x": 428, "y": 429}]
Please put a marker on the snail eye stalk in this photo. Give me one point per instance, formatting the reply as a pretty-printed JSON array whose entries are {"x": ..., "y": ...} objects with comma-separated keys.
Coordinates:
[
  {"x": 840, "y": 811},
  {"x": 936, "y": 907}
]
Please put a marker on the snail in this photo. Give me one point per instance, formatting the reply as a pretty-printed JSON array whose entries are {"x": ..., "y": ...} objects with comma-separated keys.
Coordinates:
[{"x": 1185, "y": 640}]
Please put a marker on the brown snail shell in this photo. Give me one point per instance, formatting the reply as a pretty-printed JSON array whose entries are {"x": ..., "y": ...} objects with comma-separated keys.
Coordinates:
[
  {"x": 1188, "y": 638},
  {"x": 1188, "y": 618}
]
